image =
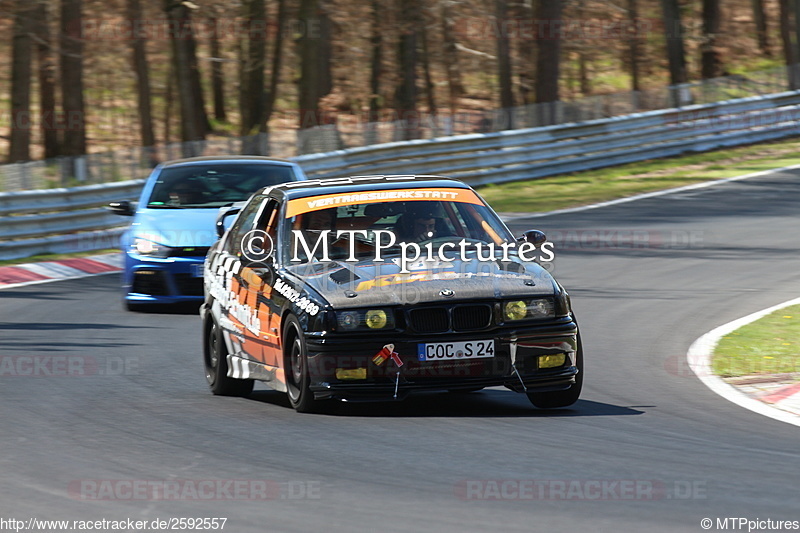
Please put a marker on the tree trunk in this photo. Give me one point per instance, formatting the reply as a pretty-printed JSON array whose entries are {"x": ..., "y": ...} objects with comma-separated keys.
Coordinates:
[
  {"x": 711, "y": 60},
  {"x": 326, "y": 50},
  {"x": 430, "y": 90},
  {"x": 217, "y": 80},
  {"x": 674, "y": 36},
  {"x": 20, "y": 141},
  {"x": 47, "y": 79},
  {"x": 450, "y": 52},
  {"x": 308, "y": 90},
  {"x": 197, "y": 85},
  {"x": 72, "y": 79},
  {"x": 760, "y": 19},
  {"x": 142, "y": 72},
  {"x": 788, "y": 49},
  {"x": 191, "y": 122},
  {"x": 548, "y": 60},
  {"x": 376, "y": 41},
  {"x": 253, "y": 92},
  {"x": 525, "y": 49},
  {"x": 796, "y": 49},
  {"x": 633, "y": 45},
  {"x": 406, "y": 93},
  {"x": 504, "y": 76},
  {"x": 275, "y": 72}
]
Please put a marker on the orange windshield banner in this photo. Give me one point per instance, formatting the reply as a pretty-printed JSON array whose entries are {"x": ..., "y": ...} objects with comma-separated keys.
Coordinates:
[{"x": 316, "y": 203}]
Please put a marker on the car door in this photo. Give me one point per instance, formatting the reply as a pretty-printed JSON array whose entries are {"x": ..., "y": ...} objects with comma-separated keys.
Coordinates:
[{"x": 262, "y": 334}]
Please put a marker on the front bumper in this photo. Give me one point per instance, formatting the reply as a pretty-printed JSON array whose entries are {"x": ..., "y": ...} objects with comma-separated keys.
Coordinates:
[
  {"x": 162, "y": 280},
  {"x": 514, "y": 365}
]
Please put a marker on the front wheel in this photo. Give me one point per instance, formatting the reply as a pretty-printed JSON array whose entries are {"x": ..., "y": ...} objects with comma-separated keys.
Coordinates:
[
  {"x": 296, "y": 368},
  {"x": 215, "y": 356},
  {"x": 562, "y": 398}
]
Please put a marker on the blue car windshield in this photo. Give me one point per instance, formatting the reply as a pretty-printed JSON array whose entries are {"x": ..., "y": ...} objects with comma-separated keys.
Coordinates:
[{"x": 214, "y": 185}]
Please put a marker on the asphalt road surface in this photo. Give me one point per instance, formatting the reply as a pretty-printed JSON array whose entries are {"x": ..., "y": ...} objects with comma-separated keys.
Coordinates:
[{"x": 647, "y": 448}]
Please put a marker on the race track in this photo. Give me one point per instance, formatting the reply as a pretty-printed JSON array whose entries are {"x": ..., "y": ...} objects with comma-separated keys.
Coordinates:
[{"x": 144, "y": 413}]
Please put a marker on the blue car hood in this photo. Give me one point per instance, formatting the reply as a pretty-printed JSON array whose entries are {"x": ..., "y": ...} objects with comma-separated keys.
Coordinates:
[{"x": 176, "y": 227}]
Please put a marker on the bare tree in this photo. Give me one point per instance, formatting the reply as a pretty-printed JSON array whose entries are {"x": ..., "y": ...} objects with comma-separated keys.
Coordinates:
[
  {"x": 789, "y": 54},
  {"x": 548, "y": 60},
  {"x": 217, "y": 79},
  {"x": 376, "y": 60},
  {"x": 142, "y": 71},
  {"x": 711, "y": 58},
  {"x": 760, "y": 19},
  {"x": 504, "y": 75},
  {"x": 633, "y": 45},
  {"x": 179, "y": 18},
  {"x": 253, "y": 75},
  {"x": 430, "y": 90},
  {"x": 450, "y": 53},
  {"x": 47, "y": 78},
  {"x": 674, "y": 36},
  {"x": 20, "y": 141},
  {"x": 406, "y": 92},
  {"x": 275, "y": 71},
  {"x": 309, "y": 52},
  {"x": 72, "y": 99}
]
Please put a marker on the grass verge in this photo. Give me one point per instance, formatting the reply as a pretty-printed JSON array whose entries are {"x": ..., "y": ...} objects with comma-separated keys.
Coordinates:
[
  {"x": 767, "y": 346},
  {"x": 559, "y": 192}
]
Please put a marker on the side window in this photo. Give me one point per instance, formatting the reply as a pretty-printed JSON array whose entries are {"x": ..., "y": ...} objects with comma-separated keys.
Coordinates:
[
  {"x": 263, "y": 218},
  {"x": 243, "y": 224}
]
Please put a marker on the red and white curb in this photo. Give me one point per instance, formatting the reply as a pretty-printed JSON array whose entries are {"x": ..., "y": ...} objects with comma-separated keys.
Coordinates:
[
  {"x": 781, "y": 404},
  {"x": 77, "y": 267}
]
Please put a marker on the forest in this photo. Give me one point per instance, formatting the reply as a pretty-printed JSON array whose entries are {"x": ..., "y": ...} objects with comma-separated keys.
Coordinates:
[{"x": 86, "y": 76}]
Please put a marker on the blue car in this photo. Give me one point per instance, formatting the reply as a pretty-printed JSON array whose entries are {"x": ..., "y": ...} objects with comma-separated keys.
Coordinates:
[{"x": 174, "y": 222}]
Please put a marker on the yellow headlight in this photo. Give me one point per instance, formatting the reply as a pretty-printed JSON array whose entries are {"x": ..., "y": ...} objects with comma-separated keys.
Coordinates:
[
  {"x": 552, "y": 361},
  {"x": 351, "y": 373},
  {"x": 376, "y": 318},
  {"x": 516, "y": 310}
]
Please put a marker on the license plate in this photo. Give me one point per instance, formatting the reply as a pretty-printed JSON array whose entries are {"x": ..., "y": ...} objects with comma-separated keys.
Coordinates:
[
  {"x": 444, "y": 351},
  {"x": 197, "y": 270}
]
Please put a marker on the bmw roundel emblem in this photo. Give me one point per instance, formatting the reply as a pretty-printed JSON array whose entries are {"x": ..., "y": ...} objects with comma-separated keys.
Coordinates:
[{"x": 447, "y": 293}]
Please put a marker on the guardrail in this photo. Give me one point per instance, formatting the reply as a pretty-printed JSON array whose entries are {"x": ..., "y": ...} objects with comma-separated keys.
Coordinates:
[{"x": 478, "y": 159}]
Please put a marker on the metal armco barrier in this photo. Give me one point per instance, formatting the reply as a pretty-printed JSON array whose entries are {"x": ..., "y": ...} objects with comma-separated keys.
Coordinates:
[{"x": 69, "y": 220}]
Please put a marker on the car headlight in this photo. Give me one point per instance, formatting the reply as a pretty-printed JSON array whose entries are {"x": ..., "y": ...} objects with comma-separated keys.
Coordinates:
[
  {"x": 365, "y": 320},
  {"x": 145, "y": 246},
  {"x": 528, "y": 309}
]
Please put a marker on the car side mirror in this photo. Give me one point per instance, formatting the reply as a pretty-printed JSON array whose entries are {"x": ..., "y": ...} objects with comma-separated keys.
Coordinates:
[
  {"x": 220, "y": 225},
  {"x": 123, "y": 208},
  {"x": 533, "y": 236}
]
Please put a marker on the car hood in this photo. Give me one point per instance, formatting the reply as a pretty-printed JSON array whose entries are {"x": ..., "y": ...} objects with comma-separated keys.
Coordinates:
[
  {"x": 177, "y": 227},
  {"x": 346, "y": 285}
]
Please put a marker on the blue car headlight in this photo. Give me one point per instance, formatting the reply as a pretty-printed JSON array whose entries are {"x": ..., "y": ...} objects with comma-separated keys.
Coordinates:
[{"x": 149, "y": 247}]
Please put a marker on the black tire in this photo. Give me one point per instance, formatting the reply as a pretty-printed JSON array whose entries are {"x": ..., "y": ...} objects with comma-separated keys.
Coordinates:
[
  {"x": 561, "y": 398},
  {"x": 216, "y": 365},
  {"x": 296, "y": 368}
]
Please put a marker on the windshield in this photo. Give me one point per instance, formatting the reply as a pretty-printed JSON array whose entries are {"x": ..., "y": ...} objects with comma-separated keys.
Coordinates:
[
  {"x": 462, "y": 217},
  {"x": 214, "y": 184}
]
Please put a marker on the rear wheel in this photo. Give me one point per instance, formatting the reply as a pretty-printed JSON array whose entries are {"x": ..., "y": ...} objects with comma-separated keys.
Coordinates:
[
  {"x": 562, "y": 398},
  {"x": 296, "y": 368},
  {"x": 215, "y": 356}
]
